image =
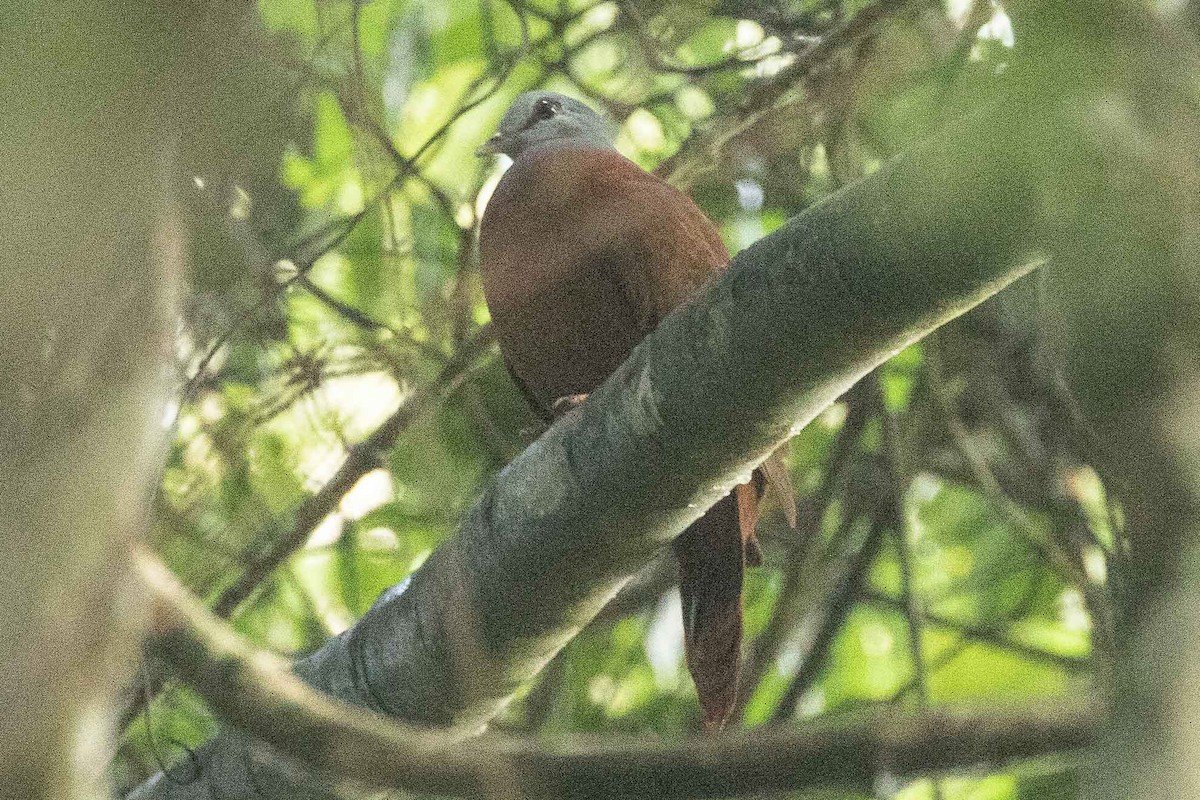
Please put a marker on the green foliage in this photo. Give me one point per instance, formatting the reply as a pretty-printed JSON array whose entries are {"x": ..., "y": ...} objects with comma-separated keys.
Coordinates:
[{"x": 375, "y": 289}]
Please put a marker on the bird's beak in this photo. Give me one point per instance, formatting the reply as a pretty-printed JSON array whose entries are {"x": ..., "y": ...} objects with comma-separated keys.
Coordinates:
[{"x": 491, "y": 147}]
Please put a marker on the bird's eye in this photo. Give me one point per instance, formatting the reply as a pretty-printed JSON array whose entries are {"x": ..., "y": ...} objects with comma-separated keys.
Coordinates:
[{"x": 545, "y": 109}]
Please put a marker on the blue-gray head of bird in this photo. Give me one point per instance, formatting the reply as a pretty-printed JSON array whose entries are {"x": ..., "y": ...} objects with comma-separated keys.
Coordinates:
[{"x": 538, "y": 117}]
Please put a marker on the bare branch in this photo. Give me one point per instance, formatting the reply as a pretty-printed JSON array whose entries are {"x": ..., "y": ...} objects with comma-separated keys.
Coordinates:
[
  {"x": 361, "y": 459},
  {"x": 260, "y": 695}
]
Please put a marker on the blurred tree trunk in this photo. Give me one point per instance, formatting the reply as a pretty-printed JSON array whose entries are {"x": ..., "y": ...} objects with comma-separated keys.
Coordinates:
[
  {"x": 89, "y": 259},
  {"x": 1123, "y": 214}
]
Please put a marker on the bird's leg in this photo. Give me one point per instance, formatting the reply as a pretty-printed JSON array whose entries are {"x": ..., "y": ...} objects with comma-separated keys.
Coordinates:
[
  {"x": 558, "y": 408},
  {"x": 566, "y": 404}
]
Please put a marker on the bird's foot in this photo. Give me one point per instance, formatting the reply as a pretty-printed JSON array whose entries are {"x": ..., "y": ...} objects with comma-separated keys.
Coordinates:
[
  {"x": 565, "y": 405},
  {"x": 559, "y": 408}
]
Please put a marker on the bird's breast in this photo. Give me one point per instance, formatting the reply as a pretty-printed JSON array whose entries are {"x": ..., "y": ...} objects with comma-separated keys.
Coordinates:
[{"x": 563, "y": 324}]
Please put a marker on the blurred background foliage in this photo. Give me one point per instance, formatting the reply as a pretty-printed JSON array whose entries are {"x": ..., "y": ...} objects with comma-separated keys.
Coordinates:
[{"x": 341, "y": 404}]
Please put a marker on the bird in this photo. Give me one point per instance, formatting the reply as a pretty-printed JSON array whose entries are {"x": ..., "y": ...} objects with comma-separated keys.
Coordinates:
[{"x": 581, "y": 254}]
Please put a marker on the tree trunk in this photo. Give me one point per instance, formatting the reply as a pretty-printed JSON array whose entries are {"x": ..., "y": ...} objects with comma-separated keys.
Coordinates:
[{"x": 89, "y": 256}]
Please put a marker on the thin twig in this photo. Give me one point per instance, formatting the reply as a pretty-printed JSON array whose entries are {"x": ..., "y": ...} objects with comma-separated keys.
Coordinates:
[
  {"x": 361, "y": 459},
  {"x": 892, "y": 511},
  {"x": 992, "y": 635},
  {"x": 844, "y": 583},
  {"x": 776, "y": 92},
  {"x": 766, "y": 647}
]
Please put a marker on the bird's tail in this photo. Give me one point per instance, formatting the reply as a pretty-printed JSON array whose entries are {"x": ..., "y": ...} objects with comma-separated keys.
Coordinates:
[{"x": 712, "y": 553}]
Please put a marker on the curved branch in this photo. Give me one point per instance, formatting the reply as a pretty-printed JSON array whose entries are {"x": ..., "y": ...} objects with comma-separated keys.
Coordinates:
[{"x": 258, "y": 693}]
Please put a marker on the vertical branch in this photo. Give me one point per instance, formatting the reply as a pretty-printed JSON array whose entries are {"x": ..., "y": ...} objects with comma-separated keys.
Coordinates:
[
  {"x": 843, "y": 588},
  {"x": 892, "y": 512},
  {"x": 784, "y": 617}
]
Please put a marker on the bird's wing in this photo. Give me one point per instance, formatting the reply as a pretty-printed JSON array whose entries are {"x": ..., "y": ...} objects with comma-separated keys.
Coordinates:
[{"x": 667, "y": 247}]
